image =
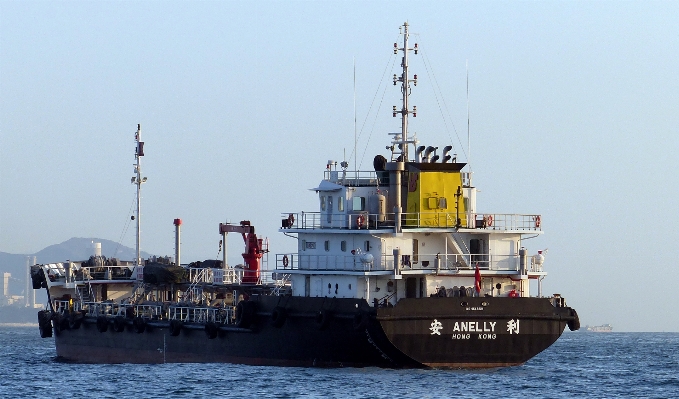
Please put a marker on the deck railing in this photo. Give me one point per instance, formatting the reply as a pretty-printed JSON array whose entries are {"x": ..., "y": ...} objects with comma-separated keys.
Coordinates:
[
  {"x": 363, "y": 220},
  {"x": 424, "y": 262}
]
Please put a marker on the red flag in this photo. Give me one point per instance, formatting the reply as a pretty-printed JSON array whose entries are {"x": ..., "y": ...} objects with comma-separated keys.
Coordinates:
[{"x": 477, "y": 279}]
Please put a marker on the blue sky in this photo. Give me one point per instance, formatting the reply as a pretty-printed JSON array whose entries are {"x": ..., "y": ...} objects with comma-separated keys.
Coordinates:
[{"x": 573, "y": 105}]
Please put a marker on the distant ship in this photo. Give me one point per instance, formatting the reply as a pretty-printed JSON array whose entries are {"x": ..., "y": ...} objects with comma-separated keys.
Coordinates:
[
  {"x": 602, "y": 328},
  {"x": 395, "y": 268}
]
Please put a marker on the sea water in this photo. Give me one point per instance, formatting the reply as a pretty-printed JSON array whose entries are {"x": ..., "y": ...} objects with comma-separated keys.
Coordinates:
[{"x": 582, "y": 365}]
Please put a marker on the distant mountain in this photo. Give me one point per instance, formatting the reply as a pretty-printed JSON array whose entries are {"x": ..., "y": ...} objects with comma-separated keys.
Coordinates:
[{"x": 82, "y": 249}]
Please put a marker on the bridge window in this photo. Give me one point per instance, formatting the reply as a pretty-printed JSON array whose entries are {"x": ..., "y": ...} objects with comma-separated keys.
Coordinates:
[{"x": 358, "y": 204}]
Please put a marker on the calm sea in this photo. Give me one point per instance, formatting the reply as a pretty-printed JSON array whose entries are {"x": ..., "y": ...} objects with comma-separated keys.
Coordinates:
[{"x": 644, "y": 365}]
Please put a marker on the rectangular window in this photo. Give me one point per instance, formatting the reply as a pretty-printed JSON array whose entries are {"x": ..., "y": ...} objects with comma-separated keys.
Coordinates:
[
  {"x": 443, "y": 203},
  {"x": 327, "y": 245},
  {"x": 303, "y": 245},
  {"x": 340, "y": 204},
  {"x": 329, "y": 209},
  {"x": 322, "y": 202},
  {"x": 367, "y": 245},
  {"x": 358, "y": 204},
  {"x": 343, "y": 246},
  {"x": 416, "y": 250}
]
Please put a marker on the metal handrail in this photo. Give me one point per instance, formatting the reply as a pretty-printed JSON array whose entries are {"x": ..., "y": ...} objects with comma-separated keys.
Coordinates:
[
  {"x": 424, "y": 262},
  {"x": 350, "y": 220}
]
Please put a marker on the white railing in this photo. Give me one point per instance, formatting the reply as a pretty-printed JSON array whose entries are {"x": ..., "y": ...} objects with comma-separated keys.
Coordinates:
[
  {"x": 424, "y": 262},
  {"x": 364, "y": 220},
  {"x": 189, "y": 314}
]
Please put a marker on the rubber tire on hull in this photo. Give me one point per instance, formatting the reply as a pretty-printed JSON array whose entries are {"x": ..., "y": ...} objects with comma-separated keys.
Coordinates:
[
  {"x": 119, "y": 324},
  {"x": 278, "y": 316},
  {"x": 574, "y": 324},
  {"x": 74, "y": 320},
  {"x": 245, "y": 313},
  {"x": 60, "y": 323},
  {"x": 102, "y": 324},
  {"x": 211, "y": 330},
  {"x": 139, "y": 325},
  {"x": 45, "y": 323},
  {"x": 175, "y": 327},
  {"x": 45, "y": 331}
]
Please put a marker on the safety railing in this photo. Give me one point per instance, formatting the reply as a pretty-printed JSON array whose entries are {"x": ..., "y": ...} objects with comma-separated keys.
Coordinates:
[
  {"x": 190, "y": 314},
  {"x": 355, "y": 177},
  {"x": 364, "y": 220},
  {"x": 357, "y": 262},
  {"x": 424, "y": 262}
]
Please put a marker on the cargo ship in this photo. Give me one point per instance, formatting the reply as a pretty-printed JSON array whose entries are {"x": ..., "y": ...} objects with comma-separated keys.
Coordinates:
[
  {"x": 604, "y": 328},
  {"x": 396, "y": 268}
]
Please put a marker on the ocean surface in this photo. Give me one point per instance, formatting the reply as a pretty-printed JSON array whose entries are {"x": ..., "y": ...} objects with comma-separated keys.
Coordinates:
[{"x": 580, "y": 365}]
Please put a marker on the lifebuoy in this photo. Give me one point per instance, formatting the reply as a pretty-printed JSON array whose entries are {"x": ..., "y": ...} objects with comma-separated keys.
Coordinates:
[
  {"x": 360, "y": 220},
  {"x": 538, "y": 222},
  {"x": 286, "y": 261},
  {"x": 513, "y": 294},
  {"x": 490, "y": 220},
  {"x": 291, "y": 220}
]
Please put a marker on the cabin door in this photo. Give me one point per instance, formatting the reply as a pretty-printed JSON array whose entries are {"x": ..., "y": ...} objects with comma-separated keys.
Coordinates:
[{"x": 411, "y": 287}]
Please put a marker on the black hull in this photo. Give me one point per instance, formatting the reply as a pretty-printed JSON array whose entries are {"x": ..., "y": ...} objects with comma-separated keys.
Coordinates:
[{"x": 347, "y": 333}]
